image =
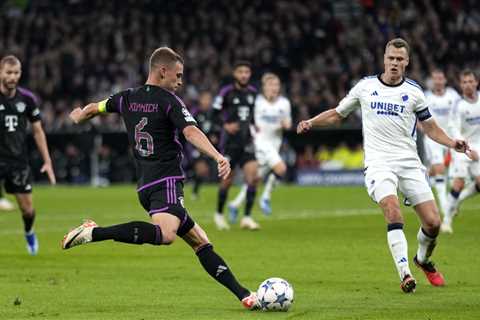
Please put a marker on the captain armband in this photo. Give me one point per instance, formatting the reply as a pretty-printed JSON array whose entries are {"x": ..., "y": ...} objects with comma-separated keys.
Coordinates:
[
  {"x": 424, "y": 114},
  {"x": 102, "y": 106}
]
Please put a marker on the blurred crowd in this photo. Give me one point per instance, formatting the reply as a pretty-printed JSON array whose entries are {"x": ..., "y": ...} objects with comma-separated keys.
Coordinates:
[{"x": 74, "y": 51}]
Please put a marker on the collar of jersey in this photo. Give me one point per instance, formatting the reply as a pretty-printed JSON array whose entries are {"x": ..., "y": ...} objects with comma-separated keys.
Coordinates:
[{"x": 390, "y": 85}]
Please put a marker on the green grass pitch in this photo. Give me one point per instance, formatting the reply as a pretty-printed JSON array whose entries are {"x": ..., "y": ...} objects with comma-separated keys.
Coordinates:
[{"x": 330, "y": 243}]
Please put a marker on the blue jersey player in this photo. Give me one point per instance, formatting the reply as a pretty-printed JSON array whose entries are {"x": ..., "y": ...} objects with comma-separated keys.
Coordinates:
[{"x": 154, "y": 116}]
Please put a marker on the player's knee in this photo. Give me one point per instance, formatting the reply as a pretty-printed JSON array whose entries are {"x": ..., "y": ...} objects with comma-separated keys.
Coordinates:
[
  {"x": 27, "y": 210},
  {"x": 281, "y": 169},
  {"x": 392, "y": 212},
  {"x": 432, "y": 224}
]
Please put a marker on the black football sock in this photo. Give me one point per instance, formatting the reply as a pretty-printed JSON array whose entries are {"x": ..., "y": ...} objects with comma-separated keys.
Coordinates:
[
  {"x": 251, "y": 192},
  {"x": 136, "y": 232},
  {"x": 28, "y": 220},
  {"x": 197, "y": 181},
  {"x": 222, "y": 198},
  {"x": 218, "y": 269},
  {"x": 1, "y": 191}
]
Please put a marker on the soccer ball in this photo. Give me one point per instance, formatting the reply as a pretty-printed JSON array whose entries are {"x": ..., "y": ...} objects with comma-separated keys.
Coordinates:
[{"x": 275, "y": 294}]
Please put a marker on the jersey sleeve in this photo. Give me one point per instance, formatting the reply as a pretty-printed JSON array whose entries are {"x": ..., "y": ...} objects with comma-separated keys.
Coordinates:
[
  {"x": 180, "y": 116},
  {"x": 351, "y": 101},
  {"x": 113, "y": 104},
  {"x": 421, "y": 107},
  {"x": 288, "y": 111},
  {"x": 33, "y": 110}
]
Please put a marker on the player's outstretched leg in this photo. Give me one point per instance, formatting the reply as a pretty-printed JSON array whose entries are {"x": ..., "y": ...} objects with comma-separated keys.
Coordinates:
[
  {"x": 135, "y": 232},
  {"x": 427, "y": 240},
  {"x": 217, "y": 268},
  {"x": 236, "y": 203},
  {"x": 25, "y": 203}
]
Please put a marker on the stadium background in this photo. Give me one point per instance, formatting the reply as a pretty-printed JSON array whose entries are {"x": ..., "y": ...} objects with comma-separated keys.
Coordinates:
[{"x": 77, "y": 51}]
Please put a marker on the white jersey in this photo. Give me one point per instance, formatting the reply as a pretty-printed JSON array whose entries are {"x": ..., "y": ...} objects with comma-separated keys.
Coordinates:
[
  {"x": 466, "y": 123},
  {"x": 268, "y": 119},
  {"x": 442, "y": 107},
  {"x": 389, "y": 117}
]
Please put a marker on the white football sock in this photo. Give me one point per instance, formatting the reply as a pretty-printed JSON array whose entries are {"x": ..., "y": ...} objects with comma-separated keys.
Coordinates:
[
  {"x": 426, "y": 244},
  {"x": 440, "y": 185},
  {"x": 237, "y": 202},
  {"x": 469, "y": 190},
  {"x": 267, "y": 191},
  {"x": 399, "y": 249}
]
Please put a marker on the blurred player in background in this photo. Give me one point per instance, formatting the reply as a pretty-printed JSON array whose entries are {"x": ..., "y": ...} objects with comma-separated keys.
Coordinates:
[
  {"x": 464, "y": 125},
  {"x": 153, "y": 116},
  {"x": 391, "y": 105},
  {"x": 234, "y": 107},
  {"x": 272, "y": 117},
  {"x": 441, "y": 101},
  {"x": 18, "y": 106},
  {"x": 201, "y": 163}
]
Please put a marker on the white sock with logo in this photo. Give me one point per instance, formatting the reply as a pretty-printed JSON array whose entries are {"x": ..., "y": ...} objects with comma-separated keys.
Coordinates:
[{"x": 399, "y": 248}]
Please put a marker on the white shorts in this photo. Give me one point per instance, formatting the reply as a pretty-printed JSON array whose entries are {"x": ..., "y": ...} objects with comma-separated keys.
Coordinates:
[
  {"x": 434, "y": 151},
  {"x": 385, "y": 181},
  {"x": 267, "y": 156},
  {"x": 463, "y": 167}
]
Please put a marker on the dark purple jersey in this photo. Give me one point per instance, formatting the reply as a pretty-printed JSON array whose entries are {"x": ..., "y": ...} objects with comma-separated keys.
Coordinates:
[
  {"x": 236, "y": 105},
  {"x": 15, "y": 113},
  {"x": 153, "y": 117}
]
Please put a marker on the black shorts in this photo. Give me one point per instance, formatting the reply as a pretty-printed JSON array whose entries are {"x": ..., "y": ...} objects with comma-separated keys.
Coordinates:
[
  {"x": 238, "y": 155},
  {"x": 18, "y": 178},
  {"x": 167, "y": 196}
]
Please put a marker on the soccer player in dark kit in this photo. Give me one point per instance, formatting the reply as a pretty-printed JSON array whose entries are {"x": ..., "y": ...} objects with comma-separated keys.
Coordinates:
[
  {"x": 234, "y": 108},
  {"x": 18, "y": 106},
  {"x": 153, "y": 116}
]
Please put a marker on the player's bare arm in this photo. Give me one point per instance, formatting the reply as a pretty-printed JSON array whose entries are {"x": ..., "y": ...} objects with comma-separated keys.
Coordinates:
[
  {"x": 41, "y": 141},
  {"x": 196, "y": 137},
  {"x": 437, "y": 134},
  {"x": 326, "y": 118},
  {"x": 79, "y": 115}
]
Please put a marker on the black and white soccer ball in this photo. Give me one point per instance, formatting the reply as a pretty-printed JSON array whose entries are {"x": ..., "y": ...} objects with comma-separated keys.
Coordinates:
[{"x": 275, "y": 294}]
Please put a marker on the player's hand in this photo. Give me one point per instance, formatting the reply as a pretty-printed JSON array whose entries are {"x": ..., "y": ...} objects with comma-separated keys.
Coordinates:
[
  {"x": 231, "y": 127},
  {"x": 47, "y": 168},
  {"x": 223, "y": 167},
  {"x": 76, "y": 115},
  {"x": 461, "y": 146},
  {"x": 304, "y": 126}
]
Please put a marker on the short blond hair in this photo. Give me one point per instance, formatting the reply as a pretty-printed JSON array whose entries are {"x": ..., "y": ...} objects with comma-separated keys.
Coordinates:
[
  {"x": 269, "y": 76},
  {"x": 164, "y": 56},
  {"x": 399, "y": 43}
]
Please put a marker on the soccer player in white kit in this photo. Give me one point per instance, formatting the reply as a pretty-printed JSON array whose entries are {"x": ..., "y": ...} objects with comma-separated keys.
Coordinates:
[
  {"x": 464, "y": 125},
  {"x": 272, "y": 117},
  {"x": 391, "y": 105},
  {"x": 441, "y": 101}
]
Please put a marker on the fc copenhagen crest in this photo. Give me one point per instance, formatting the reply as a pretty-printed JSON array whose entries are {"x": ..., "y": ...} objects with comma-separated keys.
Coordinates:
[{"x": 20, "y": 106}]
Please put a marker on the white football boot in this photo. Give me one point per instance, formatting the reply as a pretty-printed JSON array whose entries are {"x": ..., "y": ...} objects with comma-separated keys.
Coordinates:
[
  {"x": 80, "y": 235},
  {"x": 249, "y": 224}
]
